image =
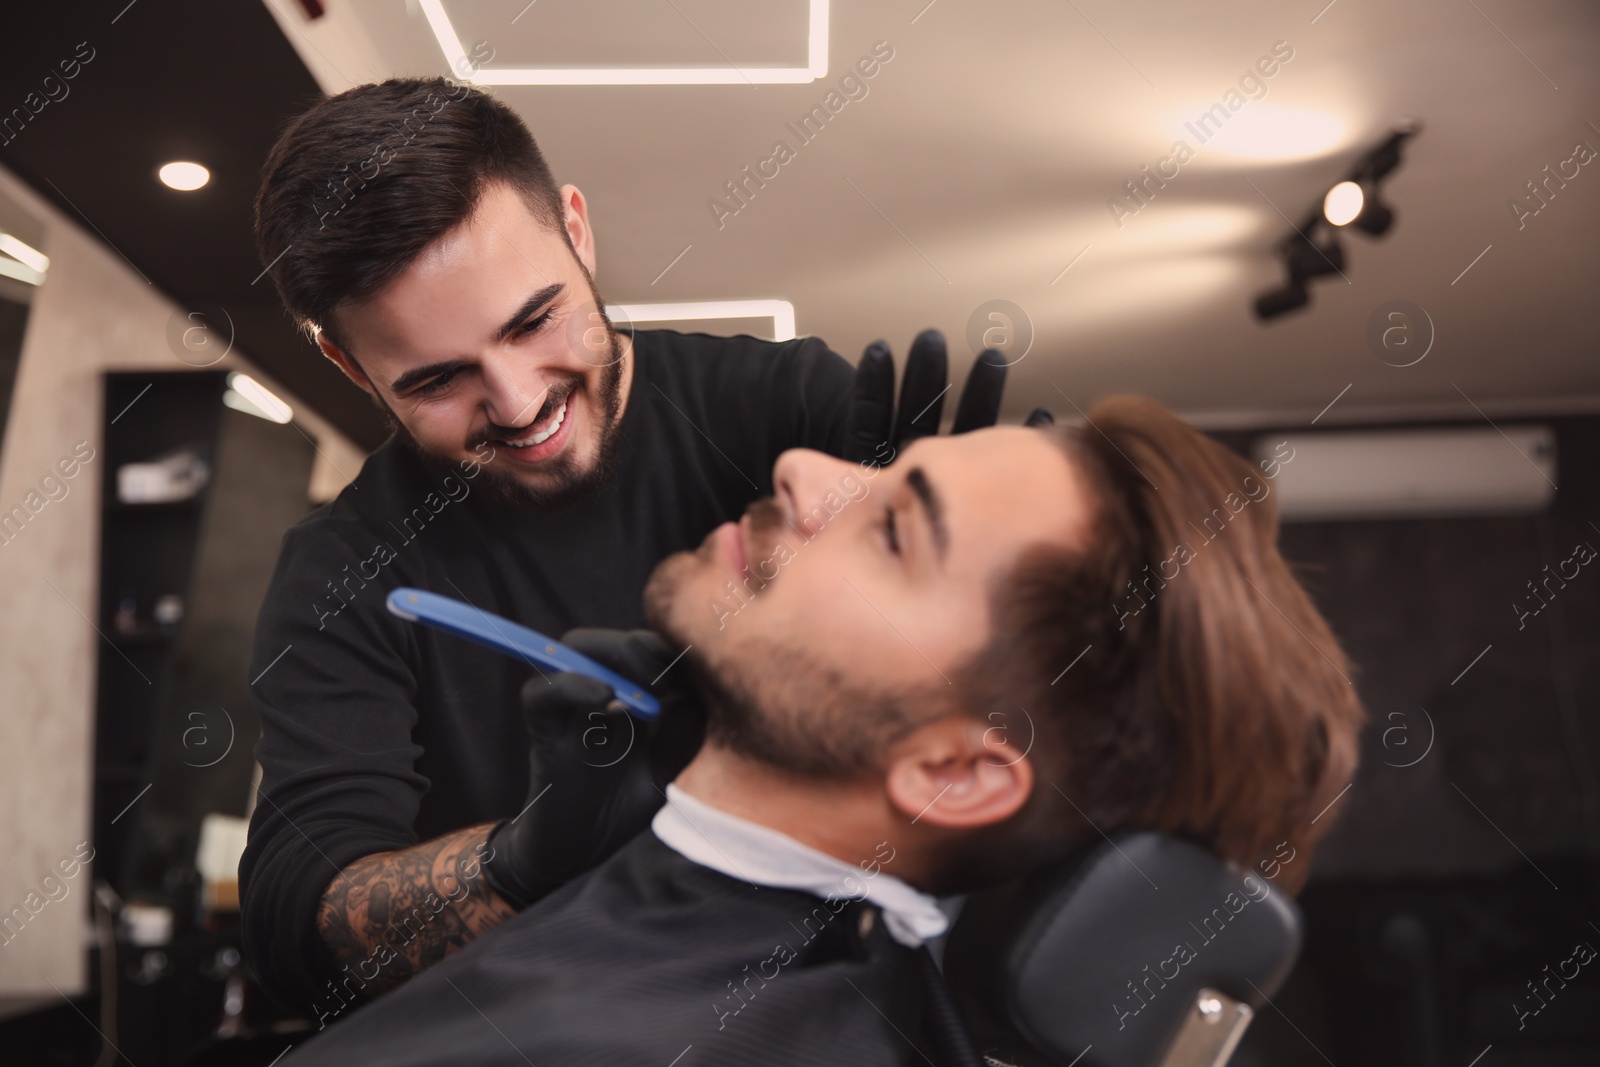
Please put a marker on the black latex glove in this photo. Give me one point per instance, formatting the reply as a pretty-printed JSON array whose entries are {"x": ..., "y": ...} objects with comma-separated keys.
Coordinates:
[
  {"x": 596, "y": 774},
  {"x": 1039, "y": 417},
  {"x": 878, "y": 433}
]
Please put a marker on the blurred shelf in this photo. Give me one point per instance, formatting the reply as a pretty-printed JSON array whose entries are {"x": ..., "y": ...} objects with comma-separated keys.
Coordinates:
[
  {"x": 154, "y": 638},
  {"x": 159, "y": 507}
]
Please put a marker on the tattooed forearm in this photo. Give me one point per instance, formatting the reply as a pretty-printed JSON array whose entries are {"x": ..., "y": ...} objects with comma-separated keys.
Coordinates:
[{"x": 392, "y": 914}]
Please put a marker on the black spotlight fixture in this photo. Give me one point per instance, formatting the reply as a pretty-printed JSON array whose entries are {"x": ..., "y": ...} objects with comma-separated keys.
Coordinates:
[
  {"x": 1277, "y": 302},
  {"x": 1310, "y": 259},
  {"x": 1383, "y": 159},
  {"x": 1305, "y": 257},
  {"x": 1375, "y": 219},
  {"x": 1313, "y": 249}
]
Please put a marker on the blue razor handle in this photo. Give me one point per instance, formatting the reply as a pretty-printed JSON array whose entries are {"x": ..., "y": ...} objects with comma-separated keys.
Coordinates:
[{"x": 503, "y": 635}]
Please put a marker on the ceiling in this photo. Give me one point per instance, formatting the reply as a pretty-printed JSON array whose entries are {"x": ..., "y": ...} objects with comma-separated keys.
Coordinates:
[
  {"x": 172, "y": 79},
  {"x": 977, "y": 167}
]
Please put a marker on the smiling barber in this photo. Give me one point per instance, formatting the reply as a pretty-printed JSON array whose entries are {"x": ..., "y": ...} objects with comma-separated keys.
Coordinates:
[{"x": 540, "y": 464}]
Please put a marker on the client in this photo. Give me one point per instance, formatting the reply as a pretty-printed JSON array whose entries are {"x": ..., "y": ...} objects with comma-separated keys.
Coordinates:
[{"x": 917, "y": 681}]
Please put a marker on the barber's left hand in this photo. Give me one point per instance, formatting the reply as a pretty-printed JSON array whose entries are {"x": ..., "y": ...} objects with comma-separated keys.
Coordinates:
[{"x": 877, "y": 432}]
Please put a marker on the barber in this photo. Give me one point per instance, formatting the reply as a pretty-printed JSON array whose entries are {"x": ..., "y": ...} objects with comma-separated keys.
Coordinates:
[{"x": 541, "y": 462}]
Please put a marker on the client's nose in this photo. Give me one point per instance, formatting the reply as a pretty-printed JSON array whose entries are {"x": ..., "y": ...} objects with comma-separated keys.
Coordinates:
[{"x": 802, "y": 481}]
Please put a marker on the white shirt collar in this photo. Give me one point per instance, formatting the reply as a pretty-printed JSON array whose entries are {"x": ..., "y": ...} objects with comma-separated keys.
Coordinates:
[{"x": 760, "y": 855}]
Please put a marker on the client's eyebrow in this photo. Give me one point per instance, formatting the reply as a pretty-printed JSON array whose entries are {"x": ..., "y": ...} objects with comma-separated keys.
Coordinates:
[
  {"x": 418, "y": 375},
  {"x": 917, "y": 480}
]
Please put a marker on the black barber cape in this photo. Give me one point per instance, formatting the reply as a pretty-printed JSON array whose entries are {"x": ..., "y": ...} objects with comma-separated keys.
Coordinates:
[
  {"x": 653, "y": 960},
  {"x": 377, "y": 733}
]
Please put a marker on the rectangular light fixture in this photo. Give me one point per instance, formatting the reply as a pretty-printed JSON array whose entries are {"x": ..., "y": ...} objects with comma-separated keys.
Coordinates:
[
  {"x": 781, "y": 312},
  {"x": 250, "y": 396},
  {"x": 1399, "y": 474},
  {"x": 456, "y": 56},
  {"x": 23, "y": 252},
  {"x": 10, "y": 268}
]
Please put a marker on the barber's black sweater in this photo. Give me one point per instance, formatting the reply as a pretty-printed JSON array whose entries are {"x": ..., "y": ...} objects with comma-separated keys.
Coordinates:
[
  {"x": 651, "y": 960},
  {"x": 378, "y": 734}
]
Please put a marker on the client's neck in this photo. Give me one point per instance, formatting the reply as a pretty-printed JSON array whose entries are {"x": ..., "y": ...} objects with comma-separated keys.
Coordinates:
[{"x": 846, "y": 820}]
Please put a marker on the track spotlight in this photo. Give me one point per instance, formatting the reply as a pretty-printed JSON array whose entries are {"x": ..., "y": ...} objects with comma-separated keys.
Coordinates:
[
  {"x": 1305, "y": 259},
  {"x": 1375, "y": 218},
  {"x": 1308, "y": 259},
  {"x": 1354, "y": 201},
  {"x": 1349, "y": 204},
  {"x": 1280, "y": 301},
  {"x": 1343, "y": 203},
  {"x": 1386, "y": 157}
]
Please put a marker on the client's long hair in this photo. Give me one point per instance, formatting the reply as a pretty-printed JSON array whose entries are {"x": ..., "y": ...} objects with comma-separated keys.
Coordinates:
[{"x": 1177, "y": 675}]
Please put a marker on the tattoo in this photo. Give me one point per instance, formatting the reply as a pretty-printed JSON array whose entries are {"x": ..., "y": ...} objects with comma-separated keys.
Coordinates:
[{"x": 392, "y": 914}]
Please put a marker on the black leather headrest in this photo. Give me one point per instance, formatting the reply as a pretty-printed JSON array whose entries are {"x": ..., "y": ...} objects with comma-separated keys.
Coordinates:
[{"x": 1110, "y": 948}]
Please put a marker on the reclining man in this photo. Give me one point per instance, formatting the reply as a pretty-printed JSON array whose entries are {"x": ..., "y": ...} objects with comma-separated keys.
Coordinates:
[{"x": 917, "y": 682}]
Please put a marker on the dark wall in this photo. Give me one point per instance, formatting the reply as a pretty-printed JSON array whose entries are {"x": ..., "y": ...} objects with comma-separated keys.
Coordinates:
[
  {"x": 1465, "y": 856},
  {"x": 1415, "y": 601}
]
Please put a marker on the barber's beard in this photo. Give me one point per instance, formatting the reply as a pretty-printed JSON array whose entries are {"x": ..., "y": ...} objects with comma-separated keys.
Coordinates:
[{"x": 567, "y": 482}]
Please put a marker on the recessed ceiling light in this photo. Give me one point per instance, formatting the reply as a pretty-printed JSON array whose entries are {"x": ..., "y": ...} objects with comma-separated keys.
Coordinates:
[
  {"x": 1343, "y": 203},
  {"x": 184, "y": 176}
]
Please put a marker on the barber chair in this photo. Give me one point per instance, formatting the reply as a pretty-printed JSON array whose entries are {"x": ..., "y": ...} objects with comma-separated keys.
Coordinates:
[{"x": 1142, "y": 950}]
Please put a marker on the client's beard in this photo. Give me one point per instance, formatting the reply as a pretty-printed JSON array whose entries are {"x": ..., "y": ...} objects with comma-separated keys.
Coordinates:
[
  {"x": 771, "y": 702},
  {"x": 807, "y": 721}
]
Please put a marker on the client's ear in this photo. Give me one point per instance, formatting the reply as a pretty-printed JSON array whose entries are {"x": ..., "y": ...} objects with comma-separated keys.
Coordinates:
[{"x": 955, "y": 772}]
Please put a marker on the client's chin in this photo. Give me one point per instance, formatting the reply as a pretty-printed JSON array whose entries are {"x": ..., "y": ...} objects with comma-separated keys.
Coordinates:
[{"x": 664, "y": 607}]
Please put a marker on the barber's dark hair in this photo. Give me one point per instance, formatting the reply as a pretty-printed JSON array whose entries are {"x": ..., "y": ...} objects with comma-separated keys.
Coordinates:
[
  {"x": 1207, "y": 699},
  {"x": 360, "y": 184}
]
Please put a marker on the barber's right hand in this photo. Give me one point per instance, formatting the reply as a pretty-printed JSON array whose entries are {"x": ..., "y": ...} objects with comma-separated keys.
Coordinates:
[
  {"x": 596, "y": 774},
  {"x": 879, "y": 430}
]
